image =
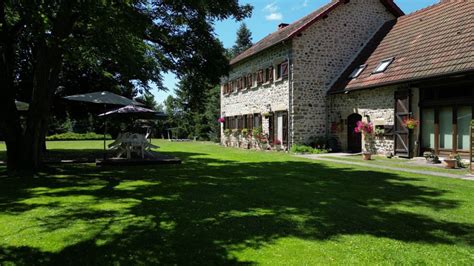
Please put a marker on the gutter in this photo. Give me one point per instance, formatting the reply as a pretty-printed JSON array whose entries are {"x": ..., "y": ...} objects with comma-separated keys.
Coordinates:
[{"x": 402, "y": 81}]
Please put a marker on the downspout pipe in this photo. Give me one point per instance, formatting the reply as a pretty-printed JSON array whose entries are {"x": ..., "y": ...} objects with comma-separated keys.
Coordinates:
[{"x": 290, "y": 97}]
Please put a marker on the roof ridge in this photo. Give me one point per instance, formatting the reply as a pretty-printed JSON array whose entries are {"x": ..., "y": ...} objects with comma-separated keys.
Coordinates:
[
  {"x": 299, "y": 25},
  {"x": 424, "y": 9}
]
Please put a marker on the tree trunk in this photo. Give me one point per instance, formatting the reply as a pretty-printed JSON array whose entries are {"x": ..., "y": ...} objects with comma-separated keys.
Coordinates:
[
  {"x": 45, "y": 79},
  {"x": 9, "y": 117}
]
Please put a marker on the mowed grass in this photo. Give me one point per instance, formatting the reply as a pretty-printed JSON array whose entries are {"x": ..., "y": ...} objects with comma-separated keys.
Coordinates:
[{"x": 230, "y": 206}]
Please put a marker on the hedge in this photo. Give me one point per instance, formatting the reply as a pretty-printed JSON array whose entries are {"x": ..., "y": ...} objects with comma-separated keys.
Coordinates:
[{"x": 78, "y": 136}]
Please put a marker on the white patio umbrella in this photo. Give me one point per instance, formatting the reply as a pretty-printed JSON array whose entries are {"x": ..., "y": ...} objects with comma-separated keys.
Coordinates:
[
  {"x": 22, "y": 106},
  {"x": 105, "y": 98}
]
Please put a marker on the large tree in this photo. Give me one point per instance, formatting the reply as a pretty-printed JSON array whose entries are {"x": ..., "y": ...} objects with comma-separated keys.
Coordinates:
[
  {"x": 243, "y": 41},
  {"x": 46, "y": 37}
]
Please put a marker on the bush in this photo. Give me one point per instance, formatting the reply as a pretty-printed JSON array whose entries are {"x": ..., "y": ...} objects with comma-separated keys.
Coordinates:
[
  {"x": 78, "y": 136},
  {"x": 324, "y": 143},
  {"x": 297, "y": 148}
]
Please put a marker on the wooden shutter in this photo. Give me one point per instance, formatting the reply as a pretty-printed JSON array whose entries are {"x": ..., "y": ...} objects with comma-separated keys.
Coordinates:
[
  {"x": 271, "y": 125},
  {"x": 402, "y": 134},
  {"x": 260, "y": 77},
  {"x": 270, "y": 74},
  {"x": 284, "y": 69},
  {"x": 285, "y": 129},
  {"x": 250, "y": 121}
]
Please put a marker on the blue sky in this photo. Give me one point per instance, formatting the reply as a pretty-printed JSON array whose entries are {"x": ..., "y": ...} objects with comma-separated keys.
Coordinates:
[{"x": 267, "y": 14}]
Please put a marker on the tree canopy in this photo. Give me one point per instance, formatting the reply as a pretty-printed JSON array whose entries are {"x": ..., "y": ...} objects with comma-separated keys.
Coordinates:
[
  {"x": 243, "y": 41},
  {"x": 54, "y": 48}
]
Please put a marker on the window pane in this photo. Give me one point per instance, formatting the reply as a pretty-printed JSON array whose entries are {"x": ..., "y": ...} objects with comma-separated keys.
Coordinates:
[
  {"x": 464, "y": 121},
  {"x": 446, "y": 128},
  {"x": 428, "y": 128}
]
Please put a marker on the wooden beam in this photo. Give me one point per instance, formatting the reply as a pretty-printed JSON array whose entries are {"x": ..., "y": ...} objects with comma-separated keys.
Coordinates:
[
  {"x": 455, "y": 129},
  {"x": 436, "y": 131}
]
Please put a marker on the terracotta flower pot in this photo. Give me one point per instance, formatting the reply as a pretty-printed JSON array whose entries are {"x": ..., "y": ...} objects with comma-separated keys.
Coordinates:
[
  {"x": 450, "y": 163},
  {"x": 367, "y": 156}
]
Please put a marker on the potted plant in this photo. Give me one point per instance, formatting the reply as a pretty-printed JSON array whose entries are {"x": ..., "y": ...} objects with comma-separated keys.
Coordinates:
[
  {"x": 367, "y": 131},
  {"x": 260, "y": 138},
  {"x": 245, "y": 133},
  {"x": 379, "y": 131},
  {"x": 431, "y": 157},
  {"x": 277, "y": 145},
  {"x": 236, "y": 134},
  {"x": 410, "y": 123},
  {"x": 450, "y": 162},
  {"x": 227, "y": 133}
]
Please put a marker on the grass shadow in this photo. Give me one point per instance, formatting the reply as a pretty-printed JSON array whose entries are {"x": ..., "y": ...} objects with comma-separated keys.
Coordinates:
[{"x": 195, "y": 213}]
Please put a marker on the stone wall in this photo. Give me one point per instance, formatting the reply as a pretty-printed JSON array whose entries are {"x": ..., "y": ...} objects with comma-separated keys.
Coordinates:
[
  {"x": 320, "y": 55},
  {"x": 374, "y": 105},
  {"x": 259, "y": 99}
]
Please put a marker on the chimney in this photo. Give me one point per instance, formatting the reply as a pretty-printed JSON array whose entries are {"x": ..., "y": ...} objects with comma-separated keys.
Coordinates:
[{"x": 282, "y": 25}]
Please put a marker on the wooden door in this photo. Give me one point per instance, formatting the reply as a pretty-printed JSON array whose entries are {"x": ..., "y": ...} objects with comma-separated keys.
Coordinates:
[
  {"x": 271, "y": 128},
  {"x": 402, "y": 134},
  {"x": 285, "y": 128},
  {"x": 354, "y": 140}
]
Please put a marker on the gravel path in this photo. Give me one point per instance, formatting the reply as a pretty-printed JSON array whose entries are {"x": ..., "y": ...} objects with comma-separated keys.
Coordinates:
[{"x": 383, "y": 167}]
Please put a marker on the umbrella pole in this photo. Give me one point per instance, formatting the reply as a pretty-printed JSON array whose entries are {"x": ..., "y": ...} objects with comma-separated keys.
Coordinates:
[{"x": 105, "y": 132}]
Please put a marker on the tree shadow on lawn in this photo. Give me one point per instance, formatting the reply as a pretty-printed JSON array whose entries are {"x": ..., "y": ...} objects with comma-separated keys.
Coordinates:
[{"x": 200, "y": 211}]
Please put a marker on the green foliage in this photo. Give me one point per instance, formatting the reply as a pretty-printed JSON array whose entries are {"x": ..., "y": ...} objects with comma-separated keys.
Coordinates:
[
  {"x": 71, "y": 47},
  {"x": 78, "y": 136},
  {"x": 148, "y": 99},
  {"x": 257, "y": 132},
  {"x": 191, "y": 115},
  {"x": 298, "y": 148},
  {"x": 459, "y": 161},
  {"x": 236, "y": 132},
  {"x": 243, "y": 41},
  {"x": 227, "y": 132}
]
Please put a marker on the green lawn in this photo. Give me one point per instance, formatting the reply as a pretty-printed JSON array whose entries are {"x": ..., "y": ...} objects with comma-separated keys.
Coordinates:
[{"x": 229, "y": 206}]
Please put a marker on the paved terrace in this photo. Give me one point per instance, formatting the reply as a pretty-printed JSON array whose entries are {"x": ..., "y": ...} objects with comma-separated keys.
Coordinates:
[{"x": 338, "y": 158}]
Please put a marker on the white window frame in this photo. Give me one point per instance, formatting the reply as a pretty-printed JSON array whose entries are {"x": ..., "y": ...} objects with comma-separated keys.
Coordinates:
[
  {"x": 383, "y": 65},
  {"x": 356, "y": 73}
]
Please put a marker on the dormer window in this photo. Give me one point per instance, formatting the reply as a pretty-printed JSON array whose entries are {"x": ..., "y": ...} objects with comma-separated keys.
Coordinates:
[
  {"x": 383, "y": 65},
  {"x": 357, "y": 71}
]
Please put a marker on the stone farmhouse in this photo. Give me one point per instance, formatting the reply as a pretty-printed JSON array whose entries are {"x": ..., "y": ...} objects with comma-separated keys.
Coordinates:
[{"x": 359, "y": 60}]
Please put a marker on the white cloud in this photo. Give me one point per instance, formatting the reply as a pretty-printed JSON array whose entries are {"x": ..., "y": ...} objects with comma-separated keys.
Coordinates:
[
  {"x": 272, "y": 12},
  {"x": 271, "y": 8},
  {"x": 274, "y": 16},
  {"x": 301, "y": 5}
]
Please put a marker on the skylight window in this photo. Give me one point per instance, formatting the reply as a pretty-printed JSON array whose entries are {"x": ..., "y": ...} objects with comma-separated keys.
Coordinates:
[
  {"x": 383, "y": 65},
  {"x": 357, "y": 71}
]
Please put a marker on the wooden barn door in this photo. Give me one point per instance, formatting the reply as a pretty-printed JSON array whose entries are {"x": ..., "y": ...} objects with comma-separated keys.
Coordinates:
[{"x": 402, "y": 134}]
